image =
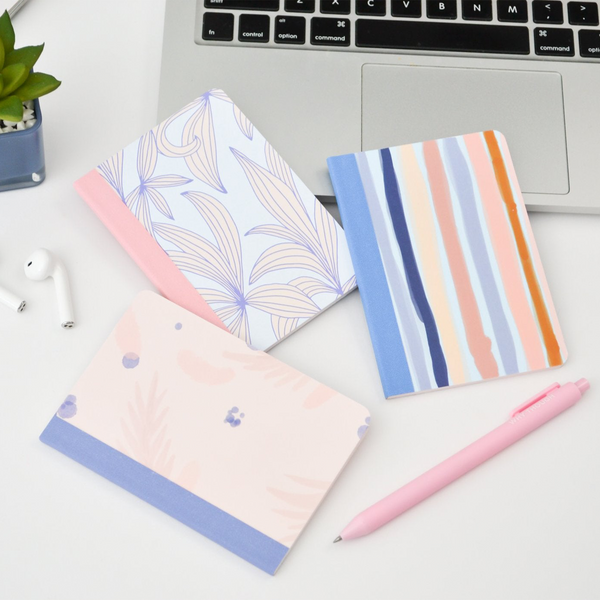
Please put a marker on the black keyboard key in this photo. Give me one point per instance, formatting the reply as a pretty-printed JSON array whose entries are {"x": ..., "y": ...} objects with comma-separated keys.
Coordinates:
[
  {"x": 217, "y": 26},
  {"x": 335, "y": 7},
  {"x": 553, "y": 42},
  {"x": 512, "y": 12},
  {"x": 451, "y": 37},
  {"x": 329, "y": 32},
  {"x": 477, "y": 10},
  {"x": 243, "y": 4},
  {"x": 583, "y": 13},
  {"x": 547, "y": 11},
  {"x": 370, "y": 8},
  {"x": 406, "y": 8},
  {"x": 589, "y": 43},
  {"x": 290, "y": 30},
  {"x": 441, "y": 10},
  {"x": 303, "y": 6},
  {"x": 254, "y": 28}
]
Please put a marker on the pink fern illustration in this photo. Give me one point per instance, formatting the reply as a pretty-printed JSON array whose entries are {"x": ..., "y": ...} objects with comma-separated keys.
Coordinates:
[
  {"x": 279, "y": 372},
  {"x": 145, "y": 431},
  {"x": 300, "y": 499}
]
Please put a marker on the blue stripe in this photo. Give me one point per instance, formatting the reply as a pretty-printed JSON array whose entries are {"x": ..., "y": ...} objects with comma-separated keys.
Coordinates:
[
  {"x": 413, "y": 277},
  {"x": 370, "y": 276},
  {"x": 212, "y": 522}
]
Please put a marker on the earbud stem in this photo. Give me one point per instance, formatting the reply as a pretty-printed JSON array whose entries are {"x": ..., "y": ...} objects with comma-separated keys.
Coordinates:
[
  {"x": 11, "y": 300},
  {"x": 63, "y": 296}
]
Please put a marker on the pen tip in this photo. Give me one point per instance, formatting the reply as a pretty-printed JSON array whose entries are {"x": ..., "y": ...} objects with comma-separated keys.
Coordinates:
[{"x": 337, "y": 539}]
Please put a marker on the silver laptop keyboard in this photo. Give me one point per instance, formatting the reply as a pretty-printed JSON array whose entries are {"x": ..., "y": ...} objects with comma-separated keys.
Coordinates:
[{"x": 544, "y": 29}]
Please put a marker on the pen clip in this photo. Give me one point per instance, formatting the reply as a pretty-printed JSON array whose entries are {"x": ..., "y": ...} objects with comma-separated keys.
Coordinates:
[{"x": 534, "y": 399}]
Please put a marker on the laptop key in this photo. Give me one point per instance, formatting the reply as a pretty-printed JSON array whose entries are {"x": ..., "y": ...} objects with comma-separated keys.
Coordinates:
[
  {"x": 329, "y": 32},
  {"x": 217, "y": 26},
  {"x": 589, "y": 43},
  {"x": 450, "y": 37},
  {"x": 553, "y": 42},
  {"x": 370, "y": 8},
  {"x": 406, "y": 8},
  {"x": 514, "y": 12},
  {"x": 477, "y": 10},
  {"x": 441, "y": 10},
  {"x": 243, "y": 4},
  {"x": 290, "y": 30},
  {"x": 304, "y": 6},
  {"x": 335, "y": 7},
  {"x": 254, "y": 28},
  {"x": 583, "y": 13},
  {"x": 547, "y": 11}
]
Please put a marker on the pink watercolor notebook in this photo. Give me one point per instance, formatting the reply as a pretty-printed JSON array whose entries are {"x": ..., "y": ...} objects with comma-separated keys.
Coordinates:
[{"x": 225, "y": 438}]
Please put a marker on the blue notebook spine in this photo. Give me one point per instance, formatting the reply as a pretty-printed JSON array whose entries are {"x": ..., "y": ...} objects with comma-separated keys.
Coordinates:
[{"x": 370, "y": 276}]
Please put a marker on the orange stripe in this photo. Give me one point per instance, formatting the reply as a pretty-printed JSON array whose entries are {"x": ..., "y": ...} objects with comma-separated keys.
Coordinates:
[
  {"x": 506, "y": 253},
  {"x": 479, "y": 344},
  {"x": 552, "y": 347}
]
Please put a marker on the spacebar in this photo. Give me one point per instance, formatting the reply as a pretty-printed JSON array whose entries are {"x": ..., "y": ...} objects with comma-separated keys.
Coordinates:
[{"x": 452, "y": 37}]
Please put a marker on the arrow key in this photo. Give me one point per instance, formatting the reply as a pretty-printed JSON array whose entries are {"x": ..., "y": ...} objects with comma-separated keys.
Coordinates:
[
  {"x": 547, "y": 11},
  {"x": 583, "y": 13}
]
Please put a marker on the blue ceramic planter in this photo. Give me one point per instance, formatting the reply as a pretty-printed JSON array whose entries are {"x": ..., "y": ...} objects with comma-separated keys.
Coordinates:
[{"x": 22, "y": 156}]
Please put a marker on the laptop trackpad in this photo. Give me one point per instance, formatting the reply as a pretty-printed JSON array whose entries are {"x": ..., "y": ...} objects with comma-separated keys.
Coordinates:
[{"x": 403, "y": 104}]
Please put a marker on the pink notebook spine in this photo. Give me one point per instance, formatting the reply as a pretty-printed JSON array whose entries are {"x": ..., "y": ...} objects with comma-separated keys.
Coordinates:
[{"x": 141, "y": 246}]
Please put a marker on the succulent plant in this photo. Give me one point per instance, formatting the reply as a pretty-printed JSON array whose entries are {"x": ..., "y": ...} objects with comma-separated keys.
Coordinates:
[{"x": 17, "y": 81}]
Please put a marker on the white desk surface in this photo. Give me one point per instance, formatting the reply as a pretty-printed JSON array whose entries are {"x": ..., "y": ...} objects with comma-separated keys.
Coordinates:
[{"x": 524, "y": 526}]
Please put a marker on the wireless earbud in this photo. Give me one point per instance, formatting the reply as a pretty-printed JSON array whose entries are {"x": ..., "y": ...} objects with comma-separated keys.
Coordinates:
[
  {"x": 42, "y": 264},
  {"x": 12, "y": 301}
]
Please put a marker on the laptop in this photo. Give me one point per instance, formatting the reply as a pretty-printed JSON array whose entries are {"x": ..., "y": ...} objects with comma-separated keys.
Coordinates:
[{"x": 321, "y": 78}]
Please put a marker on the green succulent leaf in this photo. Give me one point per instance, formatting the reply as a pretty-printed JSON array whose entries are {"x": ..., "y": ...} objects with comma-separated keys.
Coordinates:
[
  {"x": 27, "y": 56},
  {"x": 1, "y": 84},
  {"x": 11, "y": 109},
  {"x": 37, "y": 84},
  {"x": 7, "y": 33},
  {"x": 1, "y": 55},
  {"x": 14, "y": 77}
]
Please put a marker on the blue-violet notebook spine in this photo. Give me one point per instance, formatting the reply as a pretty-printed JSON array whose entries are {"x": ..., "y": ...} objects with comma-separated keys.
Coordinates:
[{"x": 370, "y": 276}]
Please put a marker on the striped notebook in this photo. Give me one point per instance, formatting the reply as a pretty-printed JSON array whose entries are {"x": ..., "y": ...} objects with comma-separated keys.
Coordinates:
[{"x": 446, "y": 263}]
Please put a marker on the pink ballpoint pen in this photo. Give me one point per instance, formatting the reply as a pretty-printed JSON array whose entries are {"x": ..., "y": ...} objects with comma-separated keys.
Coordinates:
[{"x": 524, "y": 419}]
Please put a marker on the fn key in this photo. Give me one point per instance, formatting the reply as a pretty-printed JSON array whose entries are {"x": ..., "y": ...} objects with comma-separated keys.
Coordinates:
[{"x": 217, "y": 26}]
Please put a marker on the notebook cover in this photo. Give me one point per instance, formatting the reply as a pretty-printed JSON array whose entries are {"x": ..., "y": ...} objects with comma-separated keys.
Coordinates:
[
  {"x": 226, "y": 439},
  {"x": 221, "y": 224},
  {"x": 446, "y": 262}
]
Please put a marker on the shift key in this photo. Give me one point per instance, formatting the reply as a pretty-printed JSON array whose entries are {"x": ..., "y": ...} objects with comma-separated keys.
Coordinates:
[{"x": 329, "y": 32}]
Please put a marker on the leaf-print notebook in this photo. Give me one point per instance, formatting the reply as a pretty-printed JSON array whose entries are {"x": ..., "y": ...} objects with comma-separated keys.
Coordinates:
[
  {"x": 221, "y": 224},
  {"x": 226, "y": 439},
  {"x": 446, "y": 262}
]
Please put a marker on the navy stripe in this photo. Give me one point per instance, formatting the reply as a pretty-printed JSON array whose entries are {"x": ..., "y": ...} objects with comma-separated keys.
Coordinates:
[
  {"x": 413, "y": 277},
  {"x": 370, "y": 276},
  {"x": 212, "y": 522}
]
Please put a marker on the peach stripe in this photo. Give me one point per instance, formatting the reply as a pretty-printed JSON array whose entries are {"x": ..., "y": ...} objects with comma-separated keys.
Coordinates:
[
  {"x": 534, "y": 249},
  {"x": 424, "y": 223},
  {"x": 537, "y": 298},
  {"x": 506, "y": 254},
  {"x": 479, "y": 344}
]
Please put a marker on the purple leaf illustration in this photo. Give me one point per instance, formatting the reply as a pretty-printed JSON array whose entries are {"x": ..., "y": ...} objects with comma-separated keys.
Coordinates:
[
  {"x": 282, "y": 300},
  {"x": 286, "y": 256},
  {"x": 112, "y": 171}
]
